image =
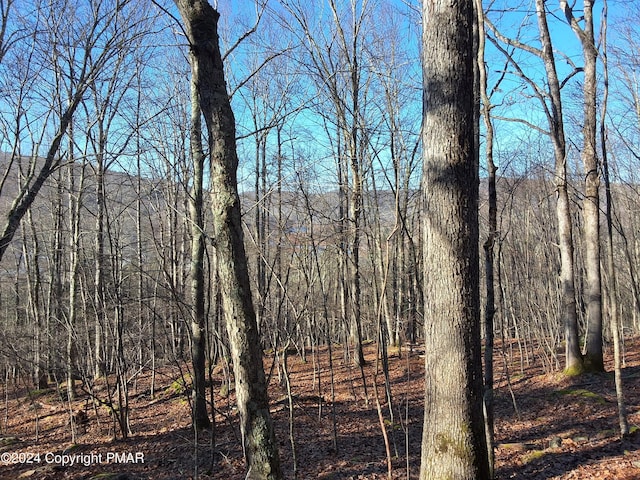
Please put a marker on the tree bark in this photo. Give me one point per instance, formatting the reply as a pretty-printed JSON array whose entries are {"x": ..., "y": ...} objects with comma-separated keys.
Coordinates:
[
  {"x": 453, "y": 439},
  {"x": 201, "y": 25},
  {"x": 623, "y": 420},
  {"x": 593, "y": 358},
  {"x": 573, "y": 358},
  {"x": 489, "y": 244},
  {"x": 198, "y": 313}
]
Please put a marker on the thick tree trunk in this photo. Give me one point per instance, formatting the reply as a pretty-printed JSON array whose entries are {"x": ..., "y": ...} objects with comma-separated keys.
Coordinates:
[
  {"x": 453, "y": 439},
  {"x": 201, "y": 22}
]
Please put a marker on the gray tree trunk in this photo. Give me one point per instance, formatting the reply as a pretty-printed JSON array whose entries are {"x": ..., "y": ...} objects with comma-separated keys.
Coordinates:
[
  {"x": 593, "y": 358},
  {"x": 489, "y": 244},
  {"x": 573, "y": 357},
  {"x": 201, "y": 25},
  {"x": 612, "y": 271},
  {"x": 198, "y": 313},
  {"x": 453, "y": 439}
]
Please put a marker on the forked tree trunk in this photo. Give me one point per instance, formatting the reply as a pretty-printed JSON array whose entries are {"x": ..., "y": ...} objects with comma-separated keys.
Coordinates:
[
  {"x": 453, "y": 439},
  {"x": 201, "y": 26}
]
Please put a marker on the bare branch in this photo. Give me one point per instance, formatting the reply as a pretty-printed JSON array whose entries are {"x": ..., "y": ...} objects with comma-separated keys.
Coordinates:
[
  {"x": 523, "y": 122},
  {"x": 257, "y": 70},
  {"x": 260, "y": 9},
  {"x": 511, "y": 41}
]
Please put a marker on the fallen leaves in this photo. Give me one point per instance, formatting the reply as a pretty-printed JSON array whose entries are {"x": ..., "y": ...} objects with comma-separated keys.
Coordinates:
[{"x": 565, "y": 430}]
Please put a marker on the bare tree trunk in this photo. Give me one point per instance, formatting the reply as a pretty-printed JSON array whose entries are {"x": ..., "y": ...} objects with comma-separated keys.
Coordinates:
[
  {"x": 32, "y": 252},
  {"x": 75, "y": 204},
  {"x": 593, "y": 359},
  {"x": 119, "y": 354},
  {"x": 343, "y": 258},
  {"x": 573, "y": 358},
  {"x": 198, "y": 291},
  {"x": 201, "y": 22},
  {"x": 489, "y": 244},
  {"x": 55, "y": 297},
  {"x": 623, "y": 420},
  {"x": 35, "y": 296},
  {"x": 99, "y": 347},
  {"x": 551, "y": 102},
  {"x": 262, "y": 257},
  {"x": 453, "y": 439},
  {"x": 142, "y": 321},
  {"x": 355, "y": 209}
]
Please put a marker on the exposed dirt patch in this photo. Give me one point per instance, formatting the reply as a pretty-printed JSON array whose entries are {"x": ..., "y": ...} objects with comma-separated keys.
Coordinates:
[{"x": 563, "y": 428}]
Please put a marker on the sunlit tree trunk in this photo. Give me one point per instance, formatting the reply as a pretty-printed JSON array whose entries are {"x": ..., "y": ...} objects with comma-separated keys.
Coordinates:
[
  {"x": 614, "y": 300},
  {"x": 550, "y": 99},
  {"x": 198, "y": 291},
  {"x": 453, "y": 439},
  {"x": 593, "y": 359},
  {"x": 573, "y": 357},
  {"x": 201, "y": 25},
  {"x": 489, "y": 244}
]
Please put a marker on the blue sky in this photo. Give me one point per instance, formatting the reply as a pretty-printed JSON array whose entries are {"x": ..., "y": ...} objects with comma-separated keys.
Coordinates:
[
  {"x": 513, "y": 19},
  {"x": 239, "y": 15}
]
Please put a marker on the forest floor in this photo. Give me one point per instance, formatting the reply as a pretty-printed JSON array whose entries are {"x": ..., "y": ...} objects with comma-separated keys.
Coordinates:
[{"x": 547, "y": 426}]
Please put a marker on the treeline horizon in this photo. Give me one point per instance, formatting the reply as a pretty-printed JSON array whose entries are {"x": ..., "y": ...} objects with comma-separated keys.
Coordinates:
[{"x": 154, "y": 293}]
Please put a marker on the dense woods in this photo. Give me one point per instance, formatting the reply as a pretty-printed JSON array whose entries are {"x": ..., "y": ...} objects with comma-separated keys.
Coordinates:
[{"x": 175, "y": 193}]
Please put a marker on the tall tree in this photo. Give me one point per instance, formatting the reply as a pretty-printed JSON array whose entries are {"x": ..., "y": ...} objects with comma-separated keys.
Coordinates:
[
  {"x": 593, "y": 358},
  {"x": 198, "y": 290},
  {"x": 453, "y": 439},
  {"x": 550, "y": 99},
  {"x": 573, "y": 358},
  {"x": 611, "y": 268},
  {"x": 489, "y": 244},
  {"x": 201, "y": 27}
]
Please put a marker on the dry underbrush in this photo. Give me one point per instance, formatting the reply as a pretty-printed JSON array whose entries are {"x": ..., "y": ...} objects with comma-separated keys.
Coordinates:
[{"x": 558, "y": 428}]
